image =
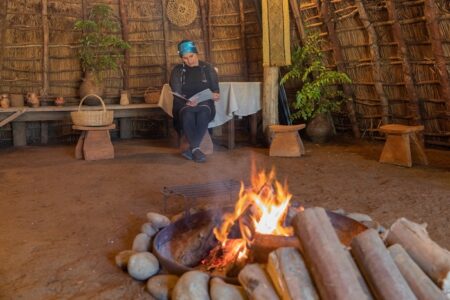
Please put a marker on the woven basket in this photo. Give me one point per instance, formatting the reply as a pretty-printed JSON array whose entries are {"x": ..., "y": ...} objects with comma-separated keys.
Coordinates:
[
  {"x": 92, "y": 117},
  {"x": 151, "y": 96}
]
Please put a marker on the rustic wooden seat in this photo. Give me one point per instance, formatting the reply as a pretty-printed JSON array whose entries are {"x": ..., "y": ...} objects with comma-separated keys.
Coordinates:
[
  {"x": 94, "y": 142},
  {"x": 402, "y": 145},
  {"x": 286, "y": 141}
]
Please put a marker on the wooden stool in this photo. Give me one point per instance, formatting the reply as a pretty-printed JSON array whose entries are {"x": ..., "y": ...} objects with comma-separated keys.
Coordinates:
[
  {"x": 286, "y": 141},
  {"x": 402, "y": 145},
  {"x": 206, "y": 145},
  {"x": 94, "y": 142}
]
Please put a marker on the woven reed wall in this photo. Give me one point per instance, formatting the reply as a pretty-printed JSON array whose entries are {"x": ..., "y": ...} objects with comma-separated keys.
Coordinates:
[
  {"x": 230, "y": 40},
  {"x": 396, "y": 52},
  {"x": 392, "y": 51}
]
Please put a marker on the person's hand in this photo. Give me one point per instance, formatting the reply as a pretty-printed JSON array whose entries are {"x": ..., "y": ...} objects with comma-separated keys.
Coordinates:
[
  {"x": 192, "y": 102},
  {"x": 216, "y": 96}
]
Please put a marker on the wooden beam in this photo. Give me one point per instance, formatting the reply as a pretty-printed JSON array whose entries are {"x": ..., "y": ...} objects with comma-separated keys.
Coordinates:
[
  {"x": 204, "y": 8},
  {"x": 11, "y": 117},
  {"x": 298, "y": 20},
  {"x": 376, "y": 59},
  {"x": 166, "y": 39},
  {"x": 244, "y": 69},
  {"x": 3, "y": 29},
  {"x": 432, "y": 21},
  {"x": 45, "y": 51},
  {"x": 340, "y": 66},
  {"x": 413, "y": 105},
  {"x": 270, "y": 99},
  {"x": 125, "y": 35}
]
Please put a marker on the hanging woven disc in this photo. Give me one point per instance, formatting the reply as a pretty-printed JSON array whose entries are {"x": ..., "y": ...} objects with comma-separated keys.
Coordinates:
[{"x": 181, "y": 12}]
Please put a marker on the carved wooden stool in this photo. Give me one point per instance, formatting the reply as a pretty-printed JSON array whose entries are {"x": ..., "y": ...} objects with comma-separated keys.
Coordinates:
[
  {"x": 94, "y": 142},
  {"x": 286, "y": 141},
  {"x": 206, "y": 145},
  {"x": 402, "y": 145}
]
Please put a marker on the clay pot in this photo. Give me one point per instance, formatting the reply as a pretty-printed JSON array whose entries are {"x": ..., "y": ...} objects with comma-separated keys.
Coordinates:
[
  {"x": 59, "y": 101},
  {"x": 4, "y": 101},
  {"x": 319, "y": 129},
  {"x": 91, "y": 85},
  {"x": 124, "y": 98},
  {"x": 33, "y": 99},
  {"x": 17, "y": 100}
]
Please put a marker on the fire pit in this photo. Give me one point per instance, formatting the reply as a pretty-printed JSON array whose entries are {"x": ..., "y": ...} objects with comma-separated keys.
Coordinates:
[{"x": 181, "y": 246}]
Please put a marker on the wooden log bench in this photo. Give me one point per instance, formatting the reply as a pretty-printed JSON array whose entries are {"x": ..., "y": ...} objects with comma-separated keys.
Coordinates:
[
  {"x": 402, "y": 145},
  {"x": 18, "y": 116}
]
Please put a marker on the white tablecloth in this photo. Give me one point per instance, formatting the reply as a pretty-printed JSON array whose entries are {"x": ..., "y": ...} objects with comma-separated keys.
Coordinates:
[{"x": 236, "y": 98}]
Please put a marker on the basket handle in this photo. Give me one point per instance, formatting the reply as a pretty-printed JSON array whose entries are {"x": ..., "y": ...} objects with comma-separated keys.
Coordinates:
[
  {"x": 97, "y": 96},
  {"x": 149, "y": 89}
]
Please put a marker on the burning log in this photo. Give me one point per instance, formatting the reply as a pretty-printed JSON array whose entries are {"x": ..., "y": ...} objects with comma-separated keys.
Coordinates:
[
  {"x": 256, "y": 283},
  {"x": 419, "y": 282},
  {"x": 290, "y": 275},
  {"x": 330, "y": 266},
  {"x": 263, "y": 244},
  {"x": 378, "y": 267},
  {"x": 429, "y": 256}
]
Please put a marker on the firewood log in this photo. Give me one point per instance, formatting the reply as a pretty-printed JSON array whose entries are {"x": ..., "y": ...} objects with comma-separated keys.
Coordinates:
[
  {"x": 420, "y": 283},
  {"x": 263, "y": 244},
  {"x": 378, "y": 267},
  {"x": 290, "y": 276},
  {"x": 256, "y": 283},
  {"x": 429, "y": 256},
  {"x": 330, "y": 266}
]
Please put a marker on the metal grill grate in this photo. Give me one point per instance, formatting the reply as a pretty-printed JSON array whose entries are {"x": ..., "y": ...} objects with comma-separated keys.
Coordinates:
[{"x": 205, "y": 190}]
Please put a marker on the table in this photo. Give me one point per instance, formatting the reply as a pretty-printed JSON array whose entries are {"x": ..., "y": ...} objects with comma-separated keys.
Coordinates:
[{"x": 236, "y": 99}]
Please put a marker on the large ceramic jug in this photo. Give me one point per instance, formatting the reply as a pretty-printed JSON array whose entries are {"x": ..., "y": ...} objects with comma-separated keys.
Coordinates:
[{"x": 319, "y": 129}]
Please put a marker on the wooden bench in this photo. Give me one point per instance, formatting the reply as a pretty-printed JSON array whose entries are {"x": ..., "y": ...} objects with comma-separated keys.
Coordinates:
[
  {"x": 286, "y": 141},
  {"x": 402, "y": 145},
  {"x": 18, "y": 116}
]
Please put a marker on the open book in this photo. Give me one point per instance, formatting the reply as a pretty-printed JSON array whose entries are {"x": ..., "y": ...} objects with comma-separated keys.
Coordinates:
[{"x": 199, "y": 97}]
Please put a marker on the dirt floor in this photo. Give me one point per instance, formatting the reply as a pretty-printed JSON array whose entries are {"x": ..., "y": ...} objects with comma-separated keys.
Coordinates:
[{"x": 62, "y": 220}]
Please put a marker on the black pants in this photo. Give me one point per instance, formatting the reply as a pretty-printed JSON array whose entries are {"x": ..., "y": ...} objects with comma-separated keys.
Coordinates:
[{"x": 194, "y": 123}]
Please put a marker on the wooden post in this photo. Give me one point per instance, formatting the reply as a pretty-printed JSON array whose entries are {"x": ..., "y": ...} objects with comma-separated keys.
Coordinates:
[
  {"x": 125, "y": 35},
  {"x": 3, "y": 28},
  {"x": 44, "y": 132},
  {"x": 339, "y": 60},
  {"x": 45, "y": 53},
  {"x": 429, "y": 256},
  {"x": 330, "y": 265},
  {"x": 298, "y": 20},
  {"x": 419, "y": 282},
  {"x": 205, "y": 30},
  {"x": 379, "y": 268},
  {"x": 270, "y": 98},
  {"x": 432, "y": 20},
  {"x": 19, "y": 130},
  {"x": 376, "y": 58},
  {"x": 244, "y": 69},
  {"x": 413, "y": 105},
  {"x": 125, "y": 128},
  {"x": 166, "y": 39}
]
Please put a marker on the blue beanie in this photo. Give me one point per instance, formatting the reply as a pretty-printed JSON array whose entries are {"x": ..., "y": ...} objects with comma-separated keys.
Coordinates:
[{"x": 186, "y": 46}]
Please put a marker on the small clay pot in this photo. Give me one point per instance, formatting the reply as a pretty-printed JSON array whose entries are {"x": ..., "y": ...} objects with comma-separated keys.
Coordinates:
[
  {"x": 59, "y": 101},
  {"x": 4, "y": 101},
  {"x": 33, "y": 100}
]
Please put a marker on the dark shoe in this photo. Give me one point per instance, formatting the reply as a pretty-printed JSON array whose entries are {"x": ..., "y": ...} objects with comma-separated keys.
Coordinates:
[
  {"x": 187, "y": 154},
  {"x": 198, "y": 156}
]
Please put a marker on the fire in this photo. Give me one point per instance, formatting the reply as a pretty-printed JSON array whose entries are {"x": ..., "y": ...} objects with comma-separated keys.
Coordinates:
[{"x": 261, "y": 208}]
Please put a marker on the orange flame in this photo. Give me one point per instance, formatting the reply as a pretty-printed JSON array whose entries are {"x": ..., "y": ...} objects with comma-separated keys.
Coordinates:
[{"x": 265, "y": 203}]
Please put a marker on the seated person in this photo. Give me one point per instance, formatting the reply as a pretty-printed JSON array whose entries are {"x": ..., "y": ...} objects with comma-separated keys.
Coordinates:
[{"x": 190, "y": 117}]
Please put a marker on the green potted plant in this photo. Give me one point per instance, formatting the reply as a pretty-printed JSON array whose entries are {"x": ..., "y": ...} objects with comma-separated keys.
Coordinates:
[
  {"x": 318, "y": 94},
  {"x": 101, "y": 47}
]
